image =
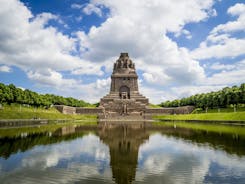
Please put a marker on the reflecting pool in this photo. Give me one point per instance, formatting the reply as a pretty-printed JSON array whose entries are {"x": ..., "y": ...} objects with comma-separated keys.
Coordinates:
[{"x": 164, "y": 154}]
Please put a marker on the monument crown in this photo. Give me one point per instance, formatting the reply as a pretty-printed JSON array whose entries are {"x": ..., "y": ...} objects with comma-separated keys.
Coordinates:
[
  {"x": 124, "y": 54},
  {"x": 124, "y": 64}
]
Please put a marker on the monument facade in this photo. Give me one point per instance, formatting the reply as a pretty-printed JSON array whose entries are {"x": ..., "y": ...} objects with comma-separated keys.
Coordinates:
[
  {"x": 124, "y": 98},
  {"x": 124, "y": 101}
]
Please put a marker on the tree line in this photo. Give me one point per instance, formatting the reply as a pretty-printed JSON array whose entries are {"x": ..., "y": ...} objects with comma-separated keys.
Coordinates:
[
  {"x": 11, "y": 94},
  {"x": 227, "y": 96}
]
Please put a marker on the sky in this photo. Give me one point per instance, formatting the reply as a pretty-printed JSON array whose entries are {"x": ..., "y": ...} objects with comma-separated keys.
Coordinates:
[{"x": 68, "y": 47}]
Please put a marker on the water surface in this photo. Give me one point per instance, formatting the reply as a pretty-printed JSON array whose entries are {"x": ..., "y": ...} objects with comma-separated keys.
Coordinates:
[{"x": 158, "y": 155}]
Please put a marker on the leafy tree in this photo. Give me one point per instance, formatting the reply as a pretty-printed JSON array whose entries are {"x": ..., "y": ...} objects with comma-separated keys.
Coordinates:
[
  {"x": 11, "y": 94},
  {"x": 222, "y": 98}
]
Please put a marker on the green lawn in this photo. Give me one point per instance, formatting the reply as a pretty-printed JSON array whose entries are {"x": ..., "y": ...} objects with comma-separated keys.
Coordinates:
[
  {"x": 210, "y": 127},
  {"x": 154, "y": 106},
  {"x": 13, "y": 132},
  {"x": 228, "y": 116},
  {"x": 21, "y": 112},
  {"x": 216, "y": 110}
]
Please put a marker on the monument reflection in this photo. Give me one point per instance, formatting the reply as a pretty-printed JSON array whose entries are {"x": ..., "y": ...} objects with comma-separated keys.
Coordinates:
[
  {"x": 123, "y": 143},
  {"x": 94, "y": 154}
]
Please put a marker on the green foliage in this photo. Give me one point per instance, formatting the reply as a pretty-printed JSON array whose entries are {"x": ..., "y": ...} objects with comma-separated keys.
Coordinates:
[
  {"x": 10, "y": 94},
  {"x": 219, "y": 110},
  {"x": 51, "y": 127},
  {"x": 229, "y": 116},
  {"x": 223, "y": 98},
  {"x": 154, "y": 106},
  {"x": 15, "y": 111},
  {"x": 218, "y": 128},
  {"x": 12, "y": 142},
  {"x": 96, "y": 104}
]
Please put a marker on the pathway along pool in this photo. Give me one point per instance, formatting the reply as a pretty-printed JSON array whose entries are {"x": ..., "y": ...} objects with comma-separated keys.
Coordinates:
[{"x": 165, "y": 155}]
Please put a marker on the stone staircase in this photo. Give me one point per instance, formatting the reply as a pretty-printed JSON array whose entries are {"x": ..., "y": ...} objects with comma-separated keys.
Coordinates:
[
  {"x": 113, "y": 116},
  {"x": 111, "y": 95},
  {"x": 113, "y": 107},
  {"x": 109, "y": 100}
]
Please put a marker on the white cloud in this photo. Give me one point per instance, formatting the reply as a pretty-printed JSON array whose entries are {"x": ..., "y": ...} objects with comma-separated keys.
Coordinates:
[
  {"x": 149, "y": 77},
  {"x": 88, "y": 68},
  {"x": 157, "y": 96},
  {"x": 76, "y": 6},
  {"x": 220, "y": 43},
  {"x": 74, "y": 153},
  {"x": 44, "y": 53},
  {"x": 229, "y": 75},
  {"x": 229, "y": 47},
  {"x": 92, "y": 92},
  {"x": 183, "y": 161},
  {"x": 42, "y": 19},
  {"x": 103, "y": 83},
  {"x": 231, "y": 26},
  {"x": 51, "y": 78},
  {"x": 184, "y": 32},
  {"x": 187, "y": 91},
  {"x": 40, "y": 50},
  {"x": 140, "y": 26},
  {"x": 91, "y": 8},
  {"x": 227, "y": 78},
  {"x": 50, "y": 156},
  {"x": 27, "y": 42},
  {"x": 79, "y": 18},
  {"x": 5, "y": 68},
  {"x": 219, "y": 66},
  {"x": 140, "y": 30},
  {"x": 161, "y": 159}
]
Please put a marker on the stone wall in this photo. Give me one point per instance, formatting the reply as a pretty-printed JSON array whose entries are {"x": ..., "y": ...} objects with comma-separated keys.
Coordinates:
[
  {"x": 174, "y": 110},
  {"x": 184, "y": 110},
  {"x": 66, "y": 109},
  {"x": 77, "y": 110},
  {"x": 148, "y": 111},
  {"x": 86, "y": 110},
  {"x": 159, "y": 110},
  {"x": 128, "y": 80}
]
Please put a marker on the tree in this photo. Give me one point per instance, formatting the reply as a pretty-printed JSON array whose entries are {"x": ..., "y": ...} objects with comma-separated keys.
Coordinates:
[
  {"x": 222, "y": 98},
  {"x": 10, "y": 94}
]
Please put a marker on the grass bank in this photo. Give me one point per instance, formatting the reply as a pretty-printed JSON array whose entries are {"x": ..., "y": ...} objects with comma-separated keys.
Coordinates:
[
  {"x": 218, "y": 128},
  {"x": 224, "y": 116},
  {"x": 22, "y": 112},
  {"x": 13, "y": 132},
  {"x": 220, "y": 110}
]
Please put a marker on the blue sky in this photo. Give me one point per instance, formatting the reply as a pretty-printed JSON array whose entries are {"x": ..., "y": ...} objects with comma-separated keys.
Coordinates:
[{"x": 68, "y": 47}]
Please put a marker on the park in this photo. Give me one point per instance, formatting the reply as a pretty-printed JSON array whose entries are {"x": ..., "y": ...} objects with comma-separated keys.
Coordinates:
[{"x": 122, "y": 92}]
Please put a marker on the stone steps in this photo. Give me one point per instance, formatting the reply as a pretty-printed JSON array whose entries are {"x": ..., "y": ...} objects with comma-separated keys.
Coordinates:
[
  {"x": 116, "y": 95},
  {"x": 118, "y": 116},
  {"x": 113, "y": 104},
  {"x": 137, "y": 103}
]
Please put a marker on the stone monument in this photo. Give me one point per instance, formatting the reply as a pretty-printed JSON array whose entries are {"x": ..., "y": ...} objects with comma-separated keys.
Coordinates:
[
  {"x": 124, "y": 101},
  {"x": 124, "y": 98}
]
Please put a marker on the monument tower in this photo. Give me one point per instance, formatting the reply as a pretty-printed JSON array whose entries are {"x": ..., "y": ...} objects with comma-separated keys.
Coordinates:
[
  {"x": 124, "y": 97},
  {"x": 124, "y": 101}
]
